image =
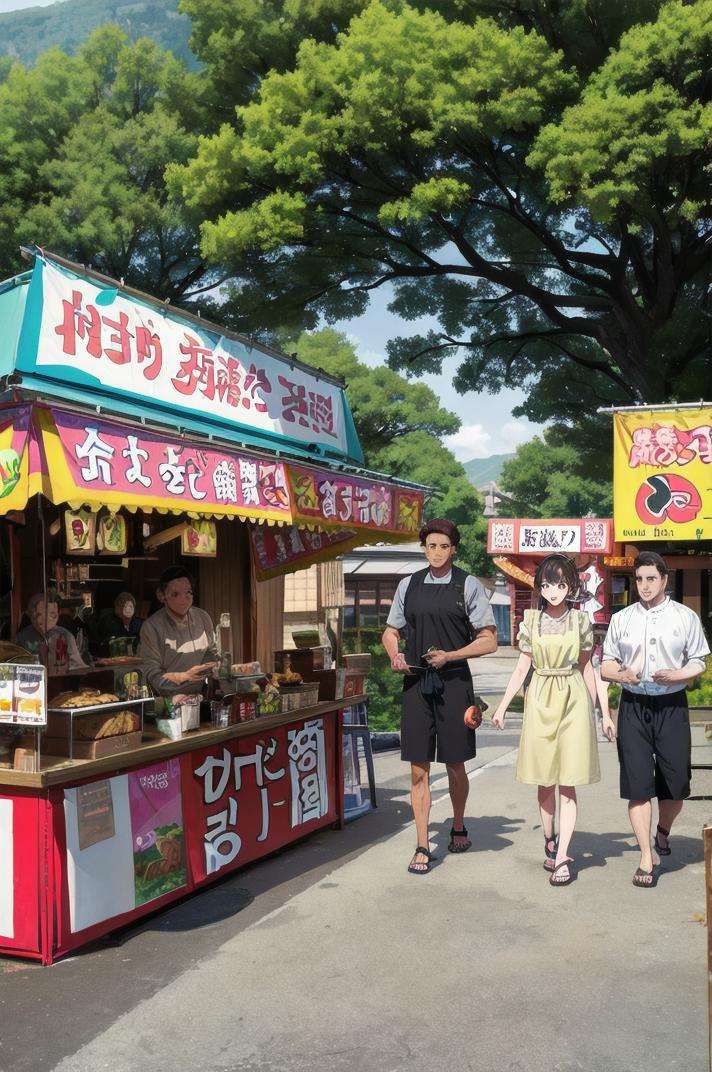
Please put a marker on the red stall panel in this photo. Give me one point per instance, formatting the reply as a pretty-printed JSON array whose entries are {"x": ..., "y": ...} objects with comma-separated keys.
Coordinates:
[{"x": 247, "y": 797}]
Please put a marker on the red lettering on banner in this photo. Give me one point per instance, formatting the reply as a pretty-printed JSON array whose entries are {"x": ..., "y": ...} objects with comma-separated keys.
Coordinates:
[{"x": 76, "y": 324}]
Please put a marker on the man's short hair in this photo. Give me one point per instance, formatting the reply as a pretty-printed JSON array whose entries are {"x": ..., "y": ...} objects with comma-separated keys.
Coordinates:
[
  {"x": 652, "y": 558},
  {"x": 39, "y": 597},
  {"x": 443, "y": 527},
  {"x": 175, "y": 573}
]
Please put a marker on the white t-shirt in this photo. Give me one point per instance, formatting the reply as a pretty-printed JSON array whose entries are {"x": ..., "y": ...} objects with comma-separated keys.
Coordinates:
[{"x": 666, "y": 637}]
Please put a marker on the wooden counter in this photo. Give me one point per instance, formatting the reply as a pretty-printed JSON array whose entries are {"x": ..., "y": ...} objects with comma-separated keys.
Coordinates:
[{"x": 56, "y": 771}]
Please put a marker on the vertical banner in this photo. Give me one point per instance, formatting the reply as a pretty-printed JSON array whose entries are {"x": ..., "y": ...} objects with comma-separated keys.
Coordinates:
[
  {"x": 247, "y": 797},
  {"x": 662, "y": 474},
  {"x": 157, "y": 829}
]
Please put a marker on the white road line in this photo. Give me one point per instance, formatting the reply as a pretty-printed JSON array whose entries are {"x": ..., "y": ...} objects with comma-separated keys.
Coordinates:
[{"x": 505, "y": 760}]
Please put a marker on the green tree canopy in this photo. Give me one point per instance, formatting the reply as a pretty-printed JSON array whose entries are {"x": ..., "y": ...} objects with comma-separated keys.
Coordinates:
[
  {"x": 401, "y": 425},
  {"x": 537, "y": 184},
  {"x": 550, "y": 477},
  {"x": 84, "y": 144}
]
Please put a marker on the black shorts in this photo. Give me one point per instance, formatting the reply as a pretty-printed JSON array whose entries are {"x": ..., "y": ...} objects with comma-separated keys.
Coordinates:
[
  {"x": 654, "y": 746},
  {"x": 428, "y": 721}
]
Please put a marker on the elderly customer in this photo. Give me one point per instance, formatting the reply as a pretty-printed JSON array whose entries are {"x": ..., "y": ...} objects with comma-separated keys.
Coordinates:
[
  {"x": 177, "y": 645},
  {"x": 55, "y": 645}
]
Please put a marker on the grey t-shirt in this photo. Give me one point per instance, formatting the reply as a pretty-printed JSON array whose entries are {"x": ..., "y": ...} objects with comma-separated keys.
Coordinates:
[{"x": 477, "y": 604}]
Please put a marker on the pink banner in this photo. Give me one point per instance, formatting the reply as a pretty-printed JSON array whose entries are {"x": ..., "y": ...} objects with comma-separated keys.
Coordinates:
[
  {"x": 338, "y": 500},
  {"x": 283, "y": 550},
  {"x": 145, "y": 467}
]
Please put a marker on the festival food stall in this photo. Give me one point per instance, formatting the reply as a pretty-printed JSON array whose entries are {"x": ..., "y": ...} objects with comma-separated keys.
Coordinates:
[{"x": 135, "y": 438}]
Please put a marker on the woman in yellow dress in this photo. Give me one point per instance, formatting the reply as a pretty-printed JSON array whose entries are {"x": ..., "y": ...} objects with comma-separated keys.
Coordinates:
[{"x": 558, "y": 743}]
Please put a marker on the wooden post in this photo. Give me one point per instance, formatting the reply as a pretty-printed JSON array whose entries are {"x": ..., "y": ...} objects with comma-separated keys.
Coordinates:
[{"x": 707, "y": 836}]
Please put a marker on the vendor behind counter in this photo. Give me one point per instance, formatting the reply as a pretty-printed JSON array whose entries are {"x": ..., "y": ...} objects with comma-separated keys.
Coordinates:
[{"x": 177, "y": 643}]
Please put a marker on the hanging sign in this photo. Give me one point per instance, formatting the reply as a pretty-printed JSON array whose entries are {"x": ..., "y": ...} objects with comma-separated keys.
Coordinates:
[
  {"x": 588, "y": 535},
  {"x": 662, "y": 474},
  {"x": 102, "y": 463},
  {"x": 288, "y": 548},
  {"x": 338, "y": 501},
  {"x": 78, "y": 332}
]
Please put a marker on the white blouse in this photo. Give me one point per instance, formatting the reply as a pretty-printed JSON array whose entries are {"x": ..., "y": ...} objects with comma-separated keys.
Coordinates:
[{"x": 666, "y": 637}]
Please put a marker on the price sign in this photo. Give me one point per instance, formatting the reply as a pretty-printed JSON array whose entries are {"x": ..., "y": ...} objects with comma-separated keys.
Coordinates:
[{"x": 23, "y": 695}]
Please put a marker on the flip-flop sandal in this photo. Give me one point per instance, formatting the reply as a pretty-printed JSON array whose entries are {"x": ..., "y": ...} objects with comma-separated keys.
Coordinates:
[
  {"x": 550, "y": 853},
  {"x": 452, "y": 847},
  {"x": 639, "y": 879},
  {"x": 662, "y": 850},
  {"x": 421, "y": 868},
  {"x": 564, "y": 881}
]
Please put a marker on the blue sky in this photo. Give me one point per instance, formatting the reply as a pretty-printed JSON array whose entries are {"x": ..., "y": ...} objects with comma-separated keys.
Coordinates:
[
  {"x": 488, "y": 426},
  {"x": 16, "y": 5}
]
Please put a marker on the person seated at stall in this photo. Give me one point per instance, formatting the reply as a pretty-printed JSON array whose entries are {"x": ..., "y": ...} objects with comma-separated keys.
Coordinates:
[
  {"x": 120, "y": 621},
  {"x": 55, "y": 645},
  {"x": 177, "y": 643}
]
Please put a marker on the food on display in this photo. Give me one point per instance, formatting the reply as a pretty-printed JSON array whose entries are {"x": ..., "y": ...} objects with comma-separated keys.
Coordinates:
[
  {"x": 84, "y": 697},
  {"x": 242, "y": 669},
  {"x": 287, "y": 677}
]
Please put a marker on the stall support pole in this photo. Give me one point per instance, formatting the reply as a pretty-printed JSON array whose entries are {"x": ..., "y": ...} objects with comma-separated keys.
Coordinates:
[
  {"x": 46, "y": 879},
  {"x": 339, "y": 824},
  {"x": 707, "y": 838}
]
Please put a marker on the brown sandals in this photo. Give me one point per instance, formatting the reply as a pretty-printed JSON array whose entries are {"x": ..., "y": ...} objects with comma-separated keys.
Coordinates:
[
  {"x": 662, "y": 850},
  {"x": 644, "y": 880},
  {"x": 423, "y": 868},
  {"x": 554, "y": 881}
]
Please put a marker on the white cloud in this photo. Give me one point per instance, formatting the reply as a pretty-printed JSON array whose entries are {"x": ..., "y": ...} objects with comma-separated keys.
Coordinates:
[
  {"x": 471, "y": 441},
  {"x": 514, "y": 433}
]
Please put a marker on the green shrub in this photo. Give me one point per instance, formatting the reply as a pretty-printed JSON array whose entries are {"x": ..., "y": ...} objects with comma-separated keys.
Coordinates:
[
  {"x": 699, "y": 693},
  {"x": 383, "y": 686}
]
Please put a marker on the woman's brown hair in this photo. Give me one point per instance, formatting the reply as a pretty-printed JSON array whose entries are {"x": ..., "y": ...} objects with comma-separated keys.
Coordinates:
[{"x": 557, "y": 568}]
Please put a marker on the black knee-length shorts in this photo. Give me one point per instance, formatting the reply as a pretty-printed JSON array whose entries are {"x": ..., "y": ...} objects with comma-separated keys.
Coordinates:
[
  {"x": 654, "y": 746},
  {"x": 433, "y": 726}
]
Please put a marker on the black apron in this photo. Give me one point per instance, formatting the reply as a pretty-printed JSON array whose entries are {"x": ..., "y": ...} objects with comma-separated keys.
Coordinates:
[{"x": 434, "y": 701}]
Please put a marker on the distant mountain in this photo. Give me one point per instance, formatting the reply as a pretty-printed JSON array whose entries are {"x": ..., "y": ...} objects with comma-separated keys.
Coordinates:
[
  {"x": 482, "y": 470},
  {"x": 26, "y": 33}
]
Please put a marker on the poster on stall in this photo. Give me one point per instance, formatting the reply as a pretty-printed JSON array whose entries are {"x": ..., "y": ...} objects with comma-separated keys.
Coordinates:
[
  {"x": 157, "y": 830},
  {"x": 125, "y": 842},
  {"x": 662, "y": 474},
  {"x": 247, "y": 797}
]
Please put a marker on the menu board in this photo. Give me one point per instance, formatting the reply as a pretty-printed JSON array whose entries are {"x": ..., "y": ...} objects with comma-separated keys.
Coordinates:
[{"x": 23, "y": 695}]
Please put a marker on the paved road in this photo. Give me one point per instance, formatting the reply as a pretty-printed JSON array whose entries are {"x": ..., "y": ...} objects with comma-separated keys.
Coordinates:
[{"x": 330, "y": 958}]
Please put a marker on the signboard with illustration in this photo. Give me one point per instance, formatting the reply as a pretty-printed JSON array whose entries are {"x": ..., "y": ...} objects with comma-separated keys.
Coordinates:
[
  {"x": 78, "y": 331},
  {"x": 282, "y": 550},
  {"x": 662, "y": 474}
]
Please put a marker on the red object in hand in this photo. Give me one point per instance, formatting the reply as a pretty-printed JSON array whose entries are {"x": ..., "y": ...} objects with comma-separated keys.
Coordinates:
[{"x": 473, "y": 717}]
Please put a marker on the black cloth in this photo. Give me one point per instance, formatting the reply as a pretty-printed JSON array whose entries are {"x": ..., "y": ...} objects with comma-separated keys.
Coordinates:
[
  {"x": 433, "y": 727},
  {"x": 435, "y": 701},
  {"x": 654, "y": 746}
]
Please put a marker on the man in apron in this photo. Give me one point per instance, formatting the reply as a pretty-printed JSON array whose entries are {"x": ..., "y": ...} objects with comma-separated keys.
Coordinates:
[{"x": 448, "y": 620}]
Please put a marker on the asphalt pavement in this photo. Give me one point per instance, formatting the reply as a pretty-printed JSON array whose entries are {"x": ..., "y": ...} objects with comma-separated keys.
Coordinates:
[{"x": 329, "y": 956}]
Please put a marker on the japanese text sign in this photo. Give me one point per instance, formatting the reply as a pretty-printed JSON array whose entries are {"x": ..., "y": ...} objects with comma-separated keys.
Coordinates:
[
  {"x": 281, "y": 550},
  {"x": 662, "y": 474},
  {"x": 343, "y": 501},
  {"x": 537, "y": 538},
  {"x": 253, "y": 795},
  {"x": 94, "y": 460},
  {"x": 105, "y": 340}
]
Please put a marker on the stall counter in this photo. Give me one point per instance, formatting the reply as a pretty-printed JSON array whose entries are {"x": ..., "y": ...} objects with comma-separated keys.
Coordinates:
[{"x": 89, "y": 846}]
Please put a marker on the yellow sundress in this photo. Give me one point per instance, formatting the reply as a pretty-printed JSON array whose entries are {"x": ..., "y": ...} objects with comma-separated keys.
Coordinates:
[{"x": 558, "y": 743}]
